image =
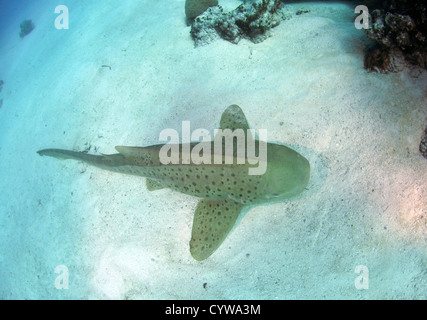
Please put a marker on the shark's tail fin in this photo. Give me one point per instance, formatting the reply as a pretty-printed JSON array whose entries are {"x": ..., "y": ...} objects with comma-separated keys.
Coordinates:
[
  {"x": 102, "y": 161},
  {"x": 67, "y": 154}
]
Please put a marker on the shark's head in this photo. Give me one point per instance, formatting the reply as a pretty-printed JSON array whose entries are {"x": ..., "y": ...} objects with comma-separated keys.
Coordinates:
[{"x": 287, "y": 173}]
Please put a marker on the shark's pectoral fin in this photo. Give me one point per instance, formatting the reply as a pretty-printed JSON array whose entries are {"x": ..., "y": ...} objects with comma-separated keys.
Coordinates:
[
  {"x": 212, "y": 222},
  {"x": 153, "y": 185}
]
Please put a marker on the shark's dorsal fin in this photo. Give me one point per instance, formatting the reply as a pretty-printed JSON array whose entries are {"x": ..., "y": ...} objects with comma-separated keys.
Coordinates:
[
  {"x": 213, "y": 220},
  {"x": 233, "y": 118}
]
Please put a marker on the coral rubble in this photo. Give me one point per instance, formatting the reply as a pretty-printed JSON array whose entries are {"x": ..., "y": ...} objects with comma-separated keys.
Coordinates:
[
  {"x": 26, "y": 27},
  {"x": 251, "y": 20},
  {"x": 400, "y": 25},
  {"x": 378, "y": 59}
]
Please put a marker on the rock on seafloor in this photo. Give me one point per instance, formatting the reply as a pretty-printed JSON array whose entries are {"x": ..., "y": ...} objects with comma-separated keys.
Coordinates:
[
  {"x": 252, "y": 20},
  {"x": 400, "y": 25},
  {"x": 26, "y": 27}
]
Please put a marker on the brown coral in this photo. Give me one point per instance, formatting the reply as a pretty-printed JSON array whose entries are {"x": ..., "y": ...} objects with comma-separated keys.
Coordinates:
[
  {"x": 378, "y": 59},
  {"x": 400, "y": 26}
]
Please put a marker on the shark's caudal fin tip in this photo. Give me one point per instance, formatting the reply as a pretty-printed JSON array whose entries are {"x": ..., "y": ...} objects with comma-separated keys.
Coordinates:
[
  {"x": 59, "y": 153},
  {"x": 48, "y": 152},
  {"x": 42, "y": 152}
]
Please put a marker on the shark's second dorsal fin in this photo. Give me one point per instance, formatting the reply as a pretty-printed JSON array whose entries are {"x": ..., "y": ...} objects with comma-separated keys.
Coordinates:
[
  {"x": 233, "y": 118},
  {"x": 153, "y": 185},
  {"x": 131, "y": 151},
  {"x": 148, "y": 156}
]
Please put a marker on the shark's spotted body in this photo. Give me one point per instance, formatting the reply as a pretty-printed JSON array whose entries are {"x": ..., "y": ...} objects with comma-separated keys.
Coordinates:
[{"x": 224, "y": 188}]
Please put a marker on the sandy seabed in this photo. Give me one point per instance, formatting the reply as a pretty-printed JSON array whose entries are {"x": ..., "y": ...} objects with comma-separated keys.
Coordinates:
[{"x": 126, "y": 70}]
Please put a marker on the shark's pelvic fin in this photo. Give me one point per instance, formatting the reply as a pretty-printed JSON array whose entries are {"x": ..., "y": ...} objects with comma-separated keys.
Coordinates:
[{"x": 212, "y": 222}]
